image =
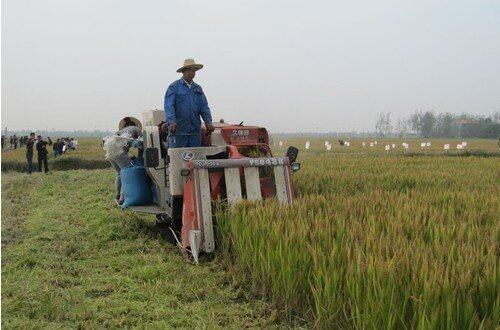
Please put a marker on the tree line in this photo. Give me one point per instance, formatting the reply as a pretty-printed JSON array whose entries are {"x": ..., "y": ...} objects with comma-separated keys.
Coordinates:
[{"x": 427, "y": 124}]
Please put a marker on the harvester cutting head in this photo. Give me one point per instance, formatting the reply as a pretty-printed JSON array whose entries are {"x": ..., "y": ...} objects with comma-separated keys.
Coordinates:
[{"x": 235, "y": 162}]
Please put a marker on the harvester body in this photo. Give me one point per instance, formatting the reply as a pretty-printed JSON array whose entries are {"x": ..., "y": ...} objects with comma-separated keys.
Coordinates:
[{"x": 235, "y": 162}]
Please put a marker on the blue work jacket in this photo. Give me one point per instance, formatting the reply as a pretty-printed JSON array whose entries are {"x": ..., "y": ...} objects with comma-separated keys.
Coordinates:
[{"x": 184, "y": 106}]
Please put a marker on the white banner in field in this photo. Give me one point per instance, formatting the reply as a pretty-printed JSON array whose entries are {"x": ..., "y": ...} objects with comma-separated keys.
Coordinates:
[
  {"x": 459, "y": 146},
  {"x": 280, "y": 143},
  {"x": 371, "y": 144},
  {"x": 446, "y": 147},
  {"x": 423, "y": 144},
  {"x": 328, "y": 147},
  {"x": 363, "y": 144},
  {"x": 464, "y": 144},
  {"x": 428, "y": 144},
  {"x": 387, "y": 147},
  {"x": 308, "y": 145}
]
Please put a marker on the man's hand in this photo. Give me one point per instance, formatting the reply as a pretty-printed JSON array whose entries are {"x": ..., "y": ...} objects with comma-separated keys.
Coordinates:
[
  {"x": 210, "y": 127},
  {"x": 172, "y": 128}
]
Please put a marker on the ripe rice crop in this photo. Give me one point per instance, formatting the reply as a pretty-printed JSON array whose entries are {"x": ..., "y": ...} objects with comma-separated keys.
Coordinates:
[{"x": 376, "y": 242}]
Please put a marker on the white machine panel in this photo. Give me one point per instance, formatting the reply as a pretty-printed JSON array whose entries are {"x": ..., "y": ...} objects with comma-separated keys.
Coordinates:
[{"x": 179, "y": 158}]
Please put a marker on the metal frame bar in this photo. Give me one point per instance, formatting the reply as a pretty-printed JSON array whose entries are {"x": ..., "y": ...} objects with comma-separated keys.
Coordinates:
[
  {"x": 242, "y": 162},
  {"x": 204, "y": 209},
  {"x": 231, "y": 168}
]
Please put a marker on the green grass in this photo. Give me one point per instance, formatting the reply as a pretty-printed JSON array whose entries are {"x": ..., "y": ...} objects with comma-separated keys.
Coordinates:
[{"x": 71, "y": 259}]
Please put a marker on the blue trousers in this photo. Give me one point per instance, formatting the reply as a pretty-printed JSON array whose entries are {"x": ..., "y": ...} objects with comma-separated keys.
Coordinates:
[{"x": 184, "y": 141}]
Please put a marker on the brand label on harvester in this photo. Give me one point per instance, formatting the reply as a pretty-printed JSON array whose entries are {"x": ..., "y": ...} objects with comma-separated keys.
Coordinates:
[
  {"x": 240, "y": 133},
  {"x": 187, "y": 155}
]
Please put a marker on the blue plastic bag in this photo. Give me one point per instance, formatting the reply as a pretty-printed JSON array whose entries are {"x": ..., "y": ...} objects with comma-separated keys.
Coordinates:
[{"x": 136, "y": 186}]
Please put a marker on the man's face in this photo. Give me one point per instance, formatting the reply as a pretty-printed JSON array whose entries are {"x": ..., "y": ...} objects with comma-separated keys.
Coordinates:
[{"x": 189, "y": 74}]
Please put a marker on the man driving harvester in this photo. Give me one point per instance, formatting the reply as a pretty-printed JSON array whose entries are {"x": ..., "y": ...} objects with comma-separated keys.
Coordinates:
[{"x": 184, "y": 103}]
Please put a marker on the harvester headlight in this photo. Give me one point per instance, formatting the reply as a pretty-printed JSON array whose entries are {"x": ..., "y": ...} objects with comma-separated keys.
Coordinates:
[
  {"x": 185, "y": 172},
  {"x": 295, "y": 167}
]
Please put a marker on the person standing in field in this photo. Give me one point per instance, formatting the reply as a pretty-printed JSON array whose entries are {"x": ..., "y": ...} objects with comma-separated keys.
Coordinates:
[
  {"x": 3, "y": 141},
  {"x": 185, "y": 103},
  {"x": 41, "y": 148},
  {"x": 56, "y": 147},
  {"x": 29, "y": 152},
  {"x": 14, "y": 141},
  {"x": 30, "y": 144}
]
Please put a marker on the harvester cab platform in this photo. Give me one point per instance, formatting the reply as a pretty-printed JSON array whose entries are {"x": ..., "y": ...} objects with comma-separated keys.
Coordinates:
[{"x": 235, "y": 162}]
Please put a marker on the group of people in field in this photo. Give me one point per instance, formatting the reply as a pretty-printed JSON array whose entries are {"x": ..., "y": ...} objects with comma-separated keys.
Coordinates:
[
  {"x": 41, "y": 149},
  {"x": 15, "y": 141},
  {"x": 62, "y": 145},
  {"x": 37, "y": 143}
]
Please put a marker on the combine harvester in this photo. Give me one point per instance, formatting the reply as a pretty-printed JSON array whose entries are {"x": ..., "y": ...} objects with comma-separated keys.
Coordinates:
[{"x": 234, "y": 162}]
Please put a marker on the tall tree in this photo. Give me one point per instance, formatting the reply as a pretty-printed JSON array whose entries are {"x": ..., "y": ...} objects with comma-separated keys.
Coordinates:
[
  {"x": 444, "y": 125},
  {"x": 383, "y": 126},
  {"x": 428, "y": 124},
  {"x": 402, "y": 127},
  {"x": 415, "y": 122}
]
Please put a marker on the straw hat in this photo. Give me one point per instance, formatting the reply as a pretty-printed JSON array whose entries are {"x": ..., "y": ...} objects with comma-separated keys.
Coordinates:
[
  {"x": 134, "y": 120},
  {"x": 190, "y": 63}
]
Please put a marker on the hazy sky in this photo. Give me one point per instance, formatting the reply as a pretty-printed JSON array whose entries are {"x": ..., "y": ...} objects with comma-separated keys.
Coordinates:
[{"x": 287, "y": 65}]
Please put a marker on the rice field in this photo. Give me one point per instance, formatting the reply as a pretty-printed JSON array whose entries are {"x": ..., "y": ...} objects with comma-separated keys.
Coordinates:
[
  {"x": 381, "y": 241},
  {"x": 375, "y": 239}
]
